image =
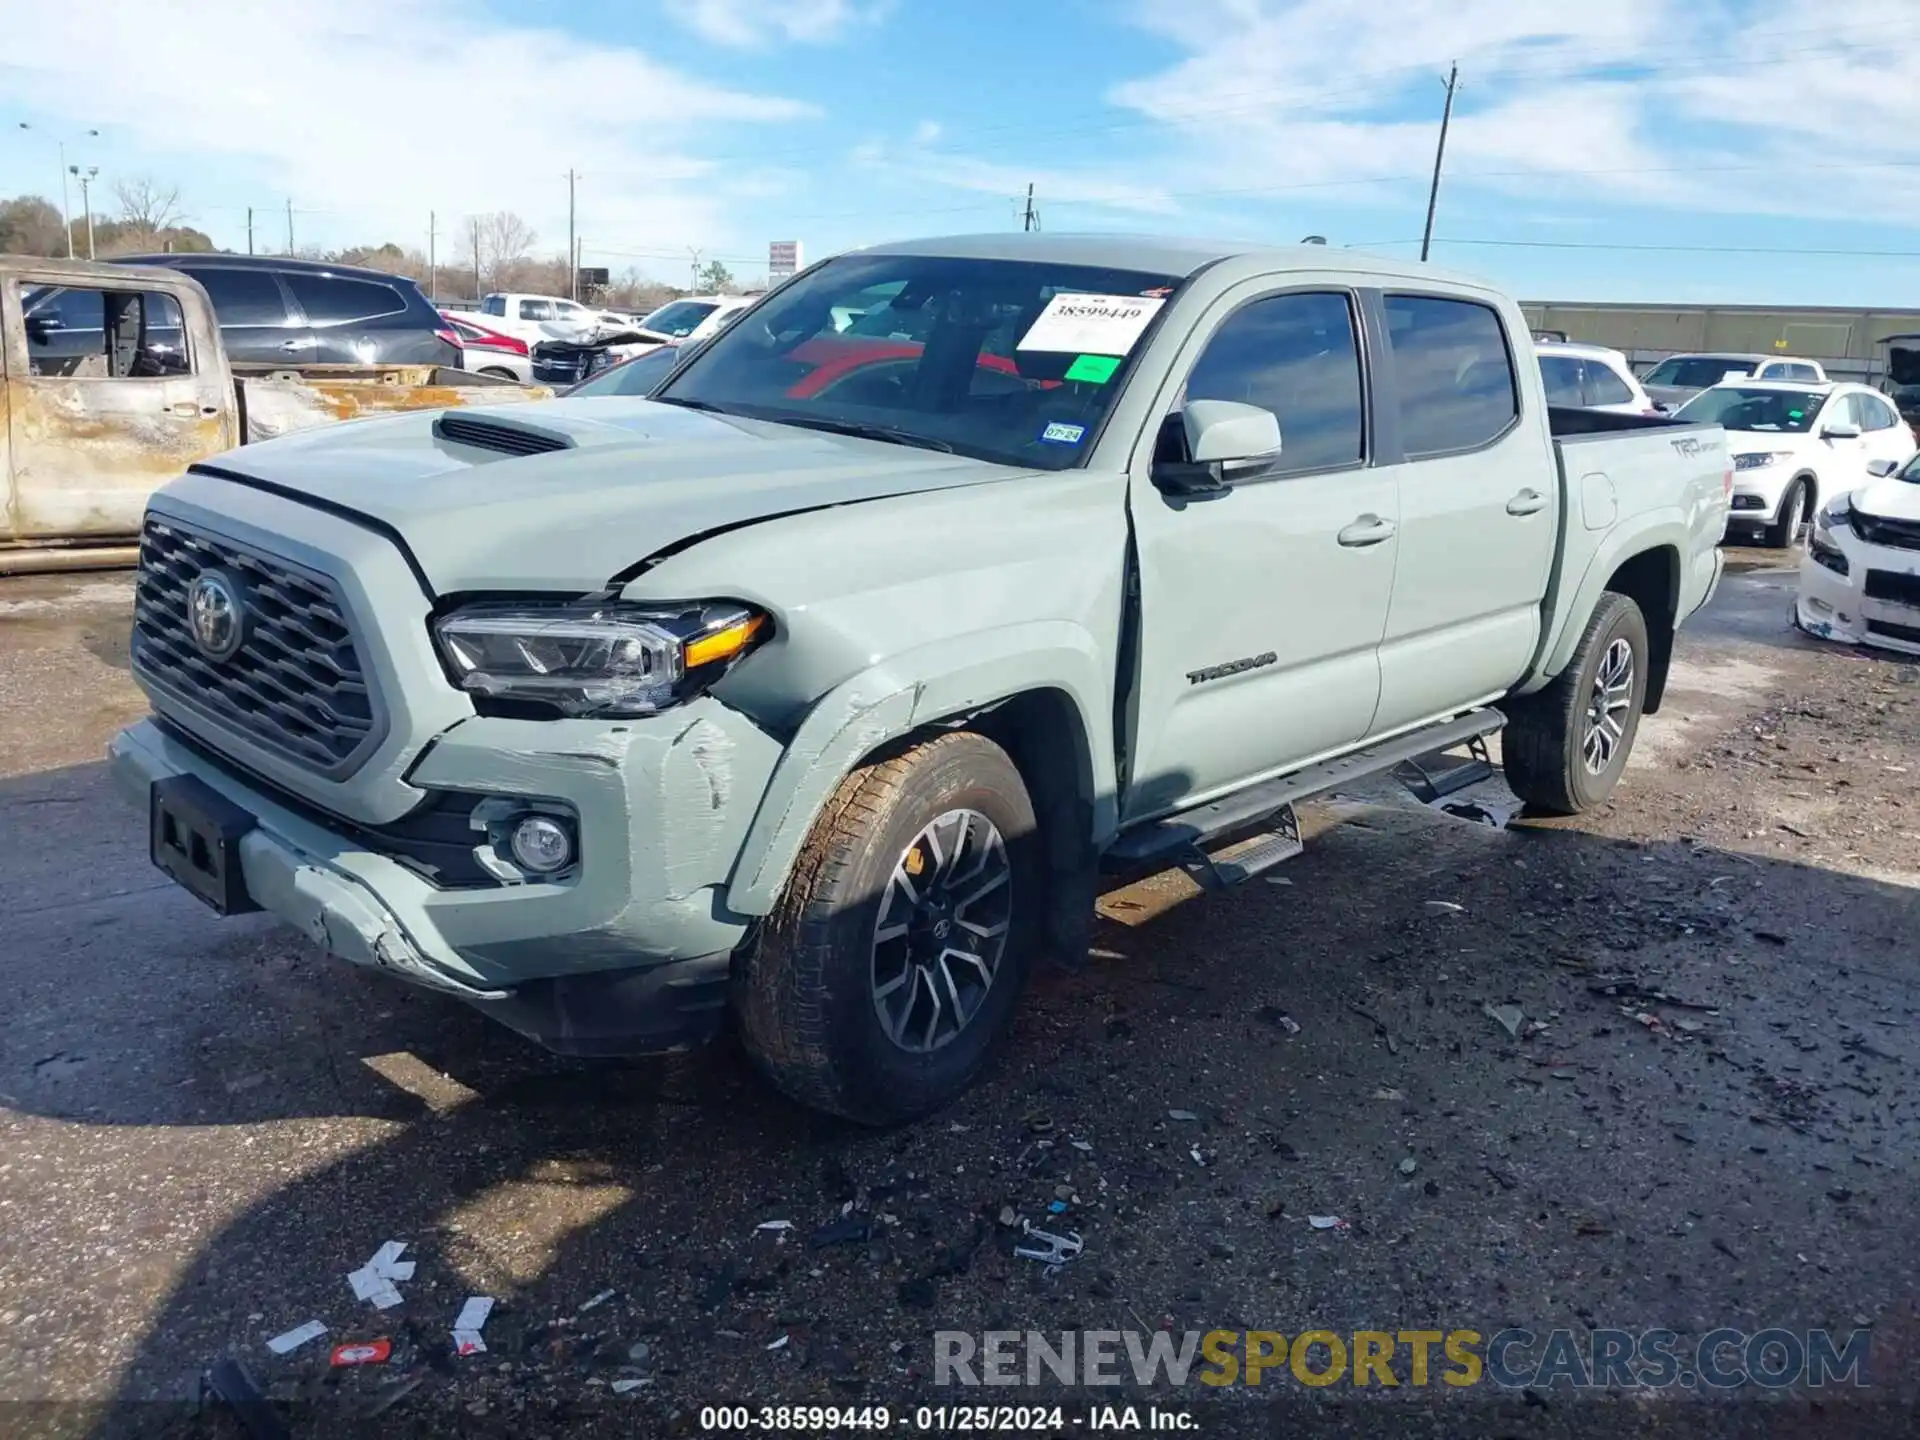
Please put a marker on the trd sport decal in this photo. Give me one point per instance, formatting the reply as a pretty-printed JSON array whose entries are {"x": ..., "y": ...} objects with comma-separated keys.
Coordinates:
[{"x": 1232, "y": 667}]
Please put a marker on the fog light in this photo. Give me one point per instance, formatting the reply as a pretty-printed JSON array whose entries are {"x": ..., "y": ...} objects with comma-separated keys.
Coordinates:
[{"x": 542, "y": 844}]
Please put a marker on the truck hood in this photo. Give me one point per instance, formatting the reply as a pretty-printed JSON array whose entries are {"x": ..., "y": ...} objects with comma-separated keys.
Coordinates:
[
  {"x": 1889, "y": 499},
  {"x": 632, "y": 477}
]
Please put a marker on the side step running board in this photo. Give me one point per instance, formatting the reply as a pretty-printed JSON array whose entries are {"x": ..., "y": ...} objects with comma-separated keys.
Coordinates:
[
  {"x": 1177, "y": 836},
  {"x": 1434, "y": 776},
  {"x": 1244, "y": 859}
]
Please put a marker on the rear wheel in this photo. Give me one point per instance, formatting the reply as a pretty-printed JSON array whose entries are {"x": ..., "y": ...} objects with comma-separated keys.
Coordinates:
[
  {"x": 1793, "y": 513},
  {"x": 891, "y": 966},
  {"x": 496, "y": 372},
  {"x": 1565, "y": 747}
]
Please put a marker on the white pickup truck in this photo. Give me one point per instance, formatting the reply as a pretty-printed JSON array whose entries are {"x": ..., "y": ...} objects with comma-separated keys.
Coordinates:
[{"x": 817, "y": 689}]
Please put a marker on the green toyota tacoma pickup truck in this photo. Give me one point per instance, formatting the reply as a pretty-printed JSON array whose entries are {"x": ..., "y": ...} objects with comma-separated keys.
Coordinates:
[{"x": 815, "y": 692}]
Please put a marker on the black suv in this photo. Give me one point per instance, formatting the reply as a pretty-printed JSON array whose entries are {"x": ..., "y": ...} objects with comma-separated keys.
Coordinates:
[{"x": 275, "y": 311}]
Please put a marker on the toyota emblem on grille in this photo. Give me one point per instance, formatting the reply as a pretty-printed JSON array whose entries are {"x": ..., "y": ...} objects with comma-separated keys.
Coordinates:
[{"x": 217, "y": 614}]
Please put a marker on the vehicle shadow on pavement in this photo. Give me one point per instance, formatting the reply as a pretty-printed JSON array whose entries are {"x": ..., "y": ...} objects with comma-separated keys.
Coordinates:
[{"x": 1638, "y": 1084}]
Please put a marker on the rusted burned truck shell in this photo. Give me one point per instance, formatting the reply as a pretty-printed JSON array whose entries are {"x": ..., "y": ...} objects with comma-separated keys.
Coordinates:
[{"x": 80, "y": 453}]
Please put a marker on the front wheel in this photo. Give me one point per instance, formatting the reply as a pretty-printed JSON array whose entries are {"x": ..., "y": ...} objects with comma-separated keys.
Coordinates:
[
  {"x": 889, "y": 970},
  {"x": 1565, "y": 746},
  {"x": 1793, "y": 513}
]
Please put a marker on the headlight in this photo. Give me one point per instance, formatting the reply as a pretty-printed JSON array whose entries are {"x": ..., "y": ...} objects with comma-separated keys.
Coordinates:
[
  {"x": 1837, "y": 515},
  {"x": 1756, "y": 461},
  {"x": 598, "y": 658}
]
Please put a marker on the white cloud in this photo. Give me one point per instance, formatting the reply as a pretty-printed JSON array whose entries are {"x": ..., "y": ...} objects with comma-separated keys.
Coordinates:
[
  {"x": 1738, "y": 106},
  {"x": 1641, "y": 101},
  {"x": 1116, "y": 189},
  {"x": 369, "y": 113},
  {"x": 747, "y": 24}
]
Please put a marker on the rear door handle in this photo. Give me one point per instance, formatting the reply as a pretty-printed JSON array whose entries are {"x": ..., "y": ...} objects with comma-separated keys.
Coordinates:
[
  {"x": 1367, "y": 530},
  {"x": 1527, "y": 502}
]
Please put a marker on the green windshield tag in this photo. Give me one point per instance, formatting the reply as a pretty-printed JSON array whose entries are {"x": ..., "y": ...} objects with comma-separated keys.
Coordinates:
[
  {"x": 1796, "y": 414},
  {"x": 1094, "y": 369}
]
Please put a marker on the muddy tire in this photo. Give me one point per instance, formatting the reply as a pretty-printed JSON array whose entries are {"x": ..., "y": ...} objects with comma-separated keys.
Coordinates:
[
  {"x": 1782, "y": 533},
  {"x": 891, "y": 965},
  {"x": 1564, "y": 747}
]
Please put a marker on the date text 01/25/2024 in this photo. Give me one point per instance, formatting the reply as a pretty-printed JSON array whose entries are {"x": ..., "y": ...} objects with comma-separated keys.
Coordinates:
[{"x": 942, "y": 1419}]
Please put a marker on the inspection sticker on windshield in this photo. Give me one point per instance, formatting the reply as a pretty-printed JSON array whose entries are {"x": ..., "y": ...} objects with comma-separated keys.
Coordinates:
[
  {"x": 1093, "y": 369},
  {"x": 1060, "y": 433},
  {"x": 1091, "y": 324}
]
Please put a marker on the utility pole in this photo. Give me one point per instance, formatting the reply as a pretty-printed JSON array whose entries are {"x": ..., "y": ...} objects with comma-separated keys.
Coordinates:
[
  {"x": 1439, "y": 155},
  {"x": 696, "y": 268},
  {"x": 86, "y": 199},
  {"x": 249, "y": 230},
  {"x": 573, "y": 252},
  {"x": 289, "y": 227},
  {"x": 1030, "y": 221},
  {"x": 474, "y": 231},
  {"x": 433, "y": 271}
]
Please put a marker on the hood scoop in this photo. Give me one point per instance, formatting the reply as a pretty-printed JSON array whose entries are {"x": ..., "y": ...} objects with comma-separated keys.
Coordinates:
[{"x": 504, "y": 437}]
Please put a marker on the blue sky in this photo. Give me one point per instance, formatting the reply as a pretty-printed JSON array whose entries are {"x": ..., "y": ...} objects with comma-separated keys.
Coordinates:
[{"x": 1733, "y": 131}]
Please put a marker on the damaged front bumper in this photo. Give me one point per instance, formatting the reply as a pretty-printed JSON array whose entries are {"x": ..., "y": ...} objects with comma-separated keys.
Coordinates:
[
  {"x": 1859, "y": 594},
  {"x": 624, "y": 952}
]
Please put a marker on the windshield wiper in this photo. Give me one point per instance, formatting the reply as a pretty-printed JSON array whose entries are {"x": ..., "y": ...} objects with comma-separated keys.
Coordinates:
[{"x": 863, "y": 431}]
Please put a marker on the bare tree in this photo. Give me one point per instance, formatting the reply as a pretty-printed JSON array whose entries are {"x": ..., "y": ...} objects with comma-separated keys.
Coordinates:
[
  {"x": 500, "y": 243},
  {"x": 147, "y": 206}
]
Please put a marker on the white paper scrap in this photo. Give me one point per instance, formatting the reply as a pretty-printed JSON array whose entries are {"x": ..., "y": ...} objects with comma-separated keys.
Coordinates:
[
  {"x": 294, "y": 1339},
  {"x": 1091, "y": 324},
  {"x": 376, "y": 1289},
  {"x": 386, "y": 1257},
  {"x": 466, "y": 1326}
]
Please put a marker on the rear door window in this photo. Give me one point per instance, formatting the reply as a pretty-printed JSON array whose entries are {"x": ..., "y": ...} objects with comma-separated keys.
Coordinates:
[
  {"x": 243, "y": 297},
  {"x": 536, "y": 310},
  {"x": 1454, "y": 374},
  {"x": 333, "y": 300},
  {"x": 1604, "y": 387},
  {"x": 1561, "y": 374},
  {"x": 104, "y": 334}
]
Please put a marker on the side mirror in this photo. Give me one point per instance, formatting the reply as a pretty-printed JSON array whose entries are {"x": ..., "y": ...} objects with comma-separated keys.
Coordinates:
[
  {"x": 1226, "y": 441},
  {"x": 1880, "y": 469},
  {"x": 1841, "y": 430}
]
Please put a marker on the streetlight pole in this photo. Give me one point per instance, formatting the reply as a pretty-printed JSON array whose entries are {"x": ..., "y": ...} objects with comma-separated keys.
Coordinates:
[
  {"x": 66, "y": 195},
  {"x": 86, "y": 200},
  {"x": 573, "y": 254}
]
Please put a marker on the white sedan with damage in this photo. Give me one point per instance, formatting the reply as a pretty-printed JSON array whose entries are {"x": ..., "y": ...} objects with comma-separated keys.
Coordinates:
[{"x": 1860, "y": 580}]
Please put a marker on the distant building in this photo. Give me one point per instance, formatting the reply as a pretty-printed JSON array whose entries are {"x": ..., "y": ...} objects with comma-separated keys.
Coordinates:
[{"x": 1849, "y": 343}]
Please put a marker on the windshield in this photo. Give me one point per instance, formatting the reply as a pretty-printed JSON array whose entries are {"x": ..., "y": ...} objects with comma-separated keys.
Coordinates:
[
  {"x": 636, "y": 377},
  {"x": 1786, "y": 412},
  {"x": 1696, "y": 372},
  {"x": 678, "y": 318},
  {"x": 1013, "y": 361}
]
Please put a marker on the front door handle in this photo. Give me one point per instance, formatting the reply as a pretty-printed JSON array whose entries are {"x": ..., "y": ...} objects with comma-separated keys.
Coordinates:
[
  {"x": 1367, "y": 530},
  {"x": 1527, "y": 502},
  {"x": 305, "y": 344}
]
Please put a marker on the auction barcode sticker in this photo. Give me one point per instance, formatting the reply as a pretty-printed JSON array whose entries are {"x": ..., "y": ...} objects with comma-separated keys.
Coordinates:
[{"x": 1091, "y": 324}]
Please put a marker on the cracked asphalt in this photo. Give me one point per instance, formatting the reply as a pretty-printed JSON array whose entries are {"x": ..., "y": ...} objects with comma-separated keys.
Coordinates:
[{"x": 1651, "y": 1069}]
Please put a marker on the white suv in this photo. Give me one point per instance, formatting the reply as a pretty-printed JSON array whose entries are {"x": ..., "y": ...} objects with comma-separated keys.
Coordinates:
[{"x": 1795, "y": 447}]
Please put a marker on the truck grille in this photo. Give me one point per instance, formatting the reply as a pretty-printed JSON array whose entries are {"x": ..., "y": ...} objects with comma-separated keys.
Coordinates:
[{"x": 294, "y": 687}]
